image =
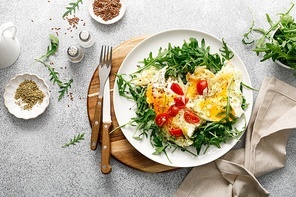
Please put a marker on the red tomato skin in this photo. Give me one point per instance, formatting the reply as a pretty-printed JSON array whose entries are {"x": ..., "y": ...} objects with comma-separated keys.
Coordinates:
[
  {"x": 173, "y": 110},
  {"x": 176, "y": 132},
  {"x": 161, "y": 119},
  {"x": 175, "y": 87},
  {"x": 201, "y": 86},
  {"x": 179, "y": 101},
  {"x": 190, "y": 117}
]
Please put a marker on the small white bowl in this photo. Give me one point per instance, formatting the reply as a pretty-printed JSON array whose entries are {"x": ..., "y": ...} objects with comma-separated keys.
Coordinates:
[
  {"x": 99, "y": 19},
  {"x": 283, "y": 65},
  {"x": 11, "y": 103}
]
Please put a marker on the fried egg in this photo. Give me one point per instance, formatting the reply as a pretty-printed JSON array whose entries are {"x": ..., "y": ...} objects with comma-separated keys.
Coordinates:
[{"x": 222, "y": 86}]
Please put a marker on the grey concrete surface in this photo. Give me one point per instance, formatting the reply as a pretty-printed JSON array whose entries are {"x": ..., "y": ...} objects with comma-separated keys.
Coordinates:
[{"x": 32, "y": 160}]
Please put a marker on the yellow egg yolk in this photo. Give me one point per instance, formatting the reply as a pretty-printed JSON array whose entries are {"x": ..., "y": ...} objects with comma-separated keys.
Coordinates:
[{"x": 159, "y": 99}]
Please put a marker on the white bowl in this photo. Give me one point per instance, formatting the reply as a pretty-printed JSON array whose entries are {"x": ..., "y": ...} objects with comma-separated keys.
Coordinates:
[
  {"x": 283, "y": 65},
  {"x": 99, "y": 19},
  {"x": 11, "y": 103}
]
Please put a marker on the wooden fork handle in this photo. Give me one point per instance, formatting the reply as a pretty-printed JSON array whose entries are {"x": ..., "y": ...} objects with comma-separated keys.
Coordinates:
[
  {"x": 106, "y": 149},
  {"x": 96, "y": 124}
]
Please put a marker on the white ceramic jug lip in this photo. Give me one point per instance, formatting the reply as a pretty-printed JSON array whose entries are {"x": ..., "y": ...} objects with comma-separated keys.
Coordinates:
[
  {"x": 9, "y": 45},
  {"x": 6, "y": 26}
]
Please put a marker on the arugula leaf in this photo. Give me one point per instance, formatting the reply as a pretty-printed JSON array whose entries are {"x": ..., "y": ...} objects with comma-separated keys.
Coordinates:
[
  {"x": 72, "y": 7},
  {"x": 52, "y": 49},
  {"x": 74, "y": 140},
  {"x": 225, "y": 51}
]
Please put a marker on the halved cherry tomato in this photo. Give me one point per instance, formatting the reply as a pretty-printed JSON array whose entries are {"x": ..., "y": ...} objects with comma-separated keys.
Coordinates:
[
  {"x": 179, "y": 101},
  {"x": 160, "y": 119},
  {"x": 201, "y": 86},
  {"x": 173, "y": 110},
  {"x": 176, "y": 132},
  {"x": 191, "y": 117},
  {"x": 175, "y": 87}
]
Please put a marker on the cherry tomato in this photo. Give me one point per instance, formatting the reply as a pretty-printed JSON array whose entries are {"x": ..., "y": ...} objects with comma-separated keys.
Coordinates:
[
  {"x": 176, "y": 132},
  {"x": 160, "y": 119},
  {"x": 201, "y": 86},
  {"x": 191, "y": 117},
  {"x": 175, "y": 87},
  {"x": 180, "y": 102},
  {"x": 173, "y": 110}
]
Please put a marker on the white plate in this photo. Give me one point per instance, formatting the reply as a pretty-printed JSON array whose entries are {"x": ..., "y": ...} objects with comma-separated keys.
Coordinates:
[
  {"x": 10, "y": 101},
  {"x": 99, "y": 19},
  {"x": 125, "y": 109}
]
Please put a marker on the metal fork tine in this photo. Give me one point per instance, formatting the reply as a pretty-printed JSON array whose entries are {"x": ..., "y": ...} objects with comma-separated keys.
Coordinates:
[
  {"x": 101, "y": 56},
  {"x": 110, "y": 59}
]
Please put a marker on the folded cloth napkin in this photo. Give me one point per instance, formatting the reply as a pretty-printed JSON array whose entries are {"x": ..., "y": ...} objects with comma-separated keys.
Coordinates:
[{"x": 273, "y": 118}]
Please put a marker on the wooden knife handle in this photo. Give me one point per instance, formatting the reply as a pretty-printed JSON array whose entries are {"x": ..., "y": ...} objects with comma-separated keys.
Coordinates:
[
  {"x": 96, "y": 124},
  {"x": 106, "y": 149}
]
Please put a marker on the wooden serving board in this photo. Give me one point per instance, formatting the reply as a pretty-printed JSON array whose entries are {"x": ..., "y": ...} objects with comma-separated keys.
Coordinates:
[{"x": 121, "y": 149}]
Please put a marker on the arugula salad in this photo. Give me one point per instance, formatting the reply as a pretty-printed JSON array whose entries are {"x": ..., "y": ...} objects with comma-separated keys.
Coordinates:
[{"x": 185, "y": 96}]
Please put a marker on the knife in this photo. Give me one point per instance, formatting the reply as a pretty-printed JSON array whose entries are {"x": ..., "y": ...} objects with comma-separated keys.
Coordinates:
[{"x": 107, "y": 122}]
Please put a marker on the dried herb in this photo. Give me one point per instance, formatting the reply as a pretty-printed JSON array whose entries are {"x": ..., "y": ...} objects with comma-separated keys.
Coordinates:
[
  {"x": 28, "y": 95},
  {"x": 54, "y": 75},
  {"x": 72, "y": 7},
  {"x": 75, "y": 140}
]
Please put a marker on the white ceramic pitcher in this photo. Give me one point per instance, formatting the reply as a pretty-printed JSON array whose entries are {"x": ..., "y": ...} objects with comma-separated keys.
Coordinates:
[{"x": 9, "y": 45}]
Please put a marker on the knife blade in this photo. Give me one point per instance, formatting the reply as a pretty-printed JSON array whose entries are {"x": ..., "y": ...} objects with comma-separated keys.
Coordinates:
[{"x": 107, "y": 122}]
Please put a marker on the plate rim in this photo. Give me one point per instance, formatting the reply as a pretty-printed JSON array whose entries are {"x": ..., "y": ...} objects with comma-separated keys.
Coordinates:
[{"x": 246, "y": 73}]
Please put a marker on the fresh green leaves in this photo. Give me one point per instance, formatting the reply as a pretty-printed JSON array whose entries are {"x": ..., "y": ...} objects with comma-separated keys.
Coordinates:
[
  {"x": 72, "y": 7},
  {"x": 278, "y": 42},
  {"x": 52, "y": 48},
  {"x": 74, "y": 140},
  {"x": 184, "y": 59},
  {"x": 54, "y": 75},
  {"x": 213, "y": 133},
  {"x": 225, "y": 51}
]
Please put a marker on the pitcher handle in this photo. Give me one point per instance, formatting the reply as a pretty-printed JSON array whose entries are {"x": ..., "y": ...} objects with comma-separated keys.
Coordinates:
[{"x": 6, "y": 26}]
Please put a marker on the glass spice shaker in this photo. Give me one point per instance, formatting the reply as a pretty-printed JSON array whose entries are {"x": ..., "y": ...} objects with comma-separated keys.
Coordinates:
[
  {"x": 75, "y": 54},
  {"x": 86, "y": 39}
]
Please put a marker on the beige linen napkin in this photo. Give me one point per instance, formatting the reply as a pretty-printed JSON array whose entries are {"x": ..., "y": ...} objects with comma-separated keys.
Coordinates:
[{"x": 234, "y": 174}]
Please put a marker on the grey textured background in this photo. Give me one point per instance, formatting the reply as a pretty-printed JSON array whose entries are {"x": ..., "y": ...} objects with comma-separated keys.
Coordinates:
[{"x": 32, "y": 160}]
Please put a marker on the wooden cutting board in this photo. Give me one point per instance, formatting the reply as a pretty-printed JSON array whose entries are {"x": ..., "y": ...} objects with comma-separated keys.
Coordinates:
[{"x": 121, "y": 149}]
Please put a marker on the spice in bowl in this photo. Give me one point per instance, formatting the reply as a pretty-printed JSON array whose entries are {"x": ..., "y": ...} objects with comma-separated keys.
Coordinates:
[
  {"x": 28, "y": 94},
  {"x": 107, "y": 9}
]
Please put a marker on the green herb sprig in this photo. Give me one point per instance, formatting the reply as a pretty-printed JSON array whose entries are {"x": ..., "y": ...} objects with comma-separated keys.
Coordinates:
[
  {"x": 278, "y": 42},
  {"x": 72, "y": 7},
  {"x": 54, "y": 75},
  {"x": 74, "y": 140}
]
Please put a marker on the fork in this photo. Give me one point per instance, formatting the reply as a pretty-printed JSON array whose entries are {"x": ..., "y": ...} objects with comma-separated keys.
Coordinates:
[{"x": 104, "y": 68}]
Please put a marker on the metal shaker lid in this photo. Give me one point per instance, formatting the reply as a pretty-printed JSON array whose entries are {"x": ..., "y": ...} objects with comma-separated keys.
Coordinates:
[
  {"x": 73, "y": 51},
  {"x": 84, "y": 35}
]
